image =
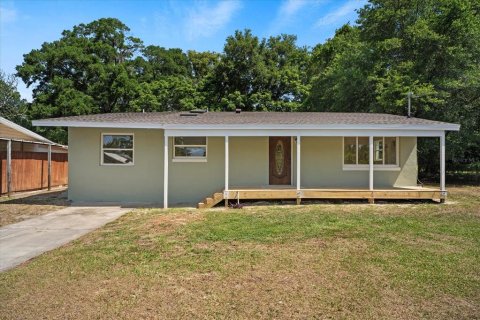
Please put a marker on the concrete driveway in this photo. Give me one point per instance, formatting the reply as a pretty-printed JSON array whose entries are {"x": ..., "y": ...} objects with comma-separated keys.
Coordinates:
[{"x": 22, "y": 241}]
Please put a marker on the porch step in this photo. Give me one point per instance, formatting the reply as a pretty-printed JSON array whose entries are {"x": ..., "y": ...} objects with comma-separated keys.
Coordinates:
[{"x": 210, "y": 201}]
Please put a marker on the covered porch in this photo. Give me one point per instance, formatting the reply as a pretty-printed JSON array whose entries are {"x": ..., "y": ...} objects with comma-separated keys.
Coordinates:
[{"x": 298, "y": 189}]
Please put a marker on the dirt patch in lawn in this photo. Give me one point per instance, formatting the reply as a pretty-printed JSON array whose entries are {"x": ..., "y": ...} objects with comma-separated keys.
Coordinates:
[{"x": 27, "y": 206}]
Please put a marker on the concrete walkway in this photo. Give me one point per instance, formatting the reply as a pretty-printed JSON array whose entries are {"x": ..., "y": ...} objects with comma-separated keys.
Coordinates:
[{"x": 22, "y": 241}]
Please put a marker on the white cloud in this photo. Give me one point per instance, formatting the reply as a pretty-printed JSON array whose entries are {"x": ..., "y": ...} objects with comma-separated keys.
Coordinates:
[
  {"x": 205, "y": 21},
  {"x": 8, "y": 15},
  {"x": 341, "y": 13},
  {"x": 290, "y": 7},
  {"x": 288, "y": 12}
]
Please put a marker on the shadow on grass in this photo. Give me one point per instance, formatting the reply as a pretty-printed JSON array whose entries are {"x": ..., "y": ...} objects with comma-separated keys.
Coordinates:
[{"x": 55, "y": 198}]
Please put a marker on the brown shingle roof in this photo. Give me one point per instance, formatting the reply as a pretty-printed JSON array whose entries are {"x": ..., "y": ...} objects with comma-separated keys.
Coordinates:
[{"x": 246, "y": 118}]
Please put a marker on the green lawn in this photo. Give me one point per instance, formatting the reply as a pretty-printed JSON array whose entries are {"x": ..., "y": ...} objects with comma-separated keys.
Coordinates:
[{"x": 321, "y": 261}]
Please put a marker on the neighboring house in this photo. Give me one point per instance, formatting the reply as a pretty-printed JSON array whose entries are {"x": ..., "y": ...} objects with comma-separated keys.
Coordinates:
[
  {"x": 29, "y": 161},
  {"x": 180, "y": 158}
]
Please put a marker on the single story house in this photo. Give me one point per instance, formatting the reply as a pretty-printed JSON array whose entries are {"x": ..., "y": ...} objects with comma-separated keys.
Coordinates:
[
  {"x": 202, "y": 158},
  {"x": 29, "y": 161}
]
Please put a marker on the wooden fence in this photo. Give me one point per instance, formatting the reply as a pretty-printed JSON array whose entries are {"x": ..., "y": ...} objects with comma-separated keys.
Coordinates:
[{"x": 30, "y": 171}]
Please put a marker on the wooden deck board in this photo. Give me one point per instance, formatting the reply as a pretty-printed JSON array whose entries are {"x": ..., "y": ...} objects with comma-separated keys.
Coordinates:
[
  {"x": 291, "y": 193},
  {"x": 276, "y": 193}
]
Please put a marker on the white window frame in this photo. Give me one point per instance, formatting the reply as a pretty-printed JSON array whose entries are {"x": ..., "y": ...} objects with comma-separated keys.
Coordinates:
[
  {"x": 377, "y": 150},
  {"x": 186, "y": 158},
  {"x": 102, "y": 149},
  {"x": 376, "y": 167}
]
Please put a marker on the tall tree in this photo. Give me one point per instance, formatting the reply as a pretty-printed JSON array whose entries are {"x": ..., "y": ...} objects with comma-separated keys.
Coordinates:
[
  {"x": 12, "y": 106},
  {"x": 86, "y": 71},
  {"x": 259, "y": 74},
  {"x": 165, "y": 81},
  {"x": 170, "y": 93},
  {"x": 157, "y": 62},
  {"x": 429, "y": 47},
  {"x": 339, "y": 71},
  {"x": 202, "y": 64},
  {"x": 432, "y": 48}
]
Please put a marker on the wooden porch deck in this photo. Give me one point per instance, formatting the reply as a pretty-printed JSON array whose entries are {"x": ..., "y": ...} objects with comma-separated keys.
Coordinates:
[{"x": 289, "y": 192}]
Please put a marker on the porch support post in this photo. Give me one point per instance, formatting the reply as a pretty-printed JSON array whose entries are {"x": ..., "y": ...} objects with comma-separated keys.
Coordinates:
[
  {"x": 442, "y": 167},
  {"x": 165, "y": 172},
  {"x": 9, "y": 167},
  {"x": 299, "y": 143},
  {"x": 225, "y": 191},
  {"x": 49, "y": 167},
  {"x": 370, "y": 167}
]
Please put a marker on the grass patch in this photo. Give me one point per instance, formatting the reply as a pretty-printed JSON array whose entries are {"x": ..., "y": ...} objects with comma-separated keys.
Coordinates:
[
  {"x": 417, "y": 260},
  {"x": 24, "y": 207}
]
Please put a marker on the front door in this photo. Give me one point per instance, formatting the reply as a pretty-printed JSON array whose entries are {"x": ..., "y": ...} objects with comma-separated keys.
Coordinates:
[{"x": 280, "y": 161}]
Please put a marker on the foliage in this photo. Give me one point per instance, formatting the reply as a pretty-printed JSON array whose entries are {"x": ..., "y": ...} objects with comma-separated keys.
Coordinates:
[
  {"x": 86, "y": 71},
  {"x": 12, "y": 106},
  {"x": 428, "y": 47},
  {"x": 339, "y": 74},
  {"x": 260, "y": 75},
  {"x": 169, "y": 93}
]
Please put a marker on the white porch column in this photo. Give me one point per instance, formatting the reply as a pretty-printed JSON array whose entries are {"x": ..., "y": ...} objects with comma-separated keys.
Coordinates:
[
  {"x": 442, "y": 162},
  {"x": 225, "y": 191},
  {"x": 299, "y": 193},
  {"x": 9, "y": 167},
  {"x": 370, "y": 162},
  {"x": 226, "y": 162},
  {"x": 165, "y": 172},
  {"x": 298, "y": 162}
]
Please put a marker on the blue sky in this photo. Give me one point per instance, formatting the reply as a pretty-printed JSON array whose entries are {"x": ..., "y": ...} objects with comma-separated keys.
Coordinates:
[{"x": 189, "y": 25}]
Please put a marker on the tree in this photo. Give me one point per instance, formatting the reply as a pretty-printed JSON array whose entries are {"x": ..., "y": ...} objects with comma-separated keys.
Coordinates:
[
  {"x": 431, "y": 48},
  {"x": 339, "y": 71},
  {"x": 170, "y": 93},
  {"x": 12, "y": 106},
  {"x": 286, "y": 64},
  {"x": 158, "y": 62},
  {"x": 202, "y": 64},
  {"x": 256, "y": 74},
  {"x": 88, "y": 70}
]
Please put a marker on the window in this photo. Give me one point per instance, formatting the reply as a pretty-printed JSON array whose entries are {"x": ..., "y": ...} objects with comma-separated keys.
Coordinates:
[
  {"x": 356, "y": 152},
  {"x": 117, "y": 149},
  {"x": 350, "y": 150},
  {"x": 190, "y": 148},
  {"x": 377, "y": 150},
  {"x": 391, "y": 153},
  {"x": 363, "y": 150}
]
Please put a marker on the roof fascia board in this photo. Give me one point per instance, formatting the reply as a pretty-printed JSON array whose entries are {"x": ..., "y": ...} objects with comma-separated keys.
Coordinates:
[
  {"x": 95, "y": 124},
  {"x": 446, "y": 126},
  {"x": 307, "y": 132},
  {"x": 140, "y": 125}
]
